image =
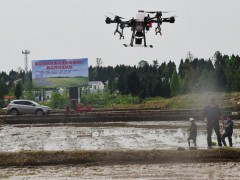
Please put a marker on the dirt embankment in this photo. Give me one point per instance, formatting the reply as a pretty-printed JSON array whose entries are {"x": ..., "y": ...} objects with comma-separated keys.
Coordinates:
[
  {"x": 36, "y": 158},
  {"x": 110, "y": 116}
]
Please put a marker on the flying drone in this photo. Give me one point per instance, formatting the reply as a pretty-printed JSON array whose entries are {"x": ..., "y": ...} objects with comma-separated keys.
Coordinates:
[{"x": 140, "y": 26}]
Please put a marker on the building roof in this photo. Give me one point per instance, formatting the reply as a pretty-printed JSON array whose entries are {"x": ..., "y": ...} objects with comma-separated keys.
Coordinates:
[{"x": 95, "y": 82}]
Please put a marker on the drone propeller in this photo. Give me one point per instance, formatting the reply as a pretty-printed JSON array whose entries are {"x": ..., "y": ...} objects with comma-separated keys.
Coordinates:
[
  {"x": 106, "y": 16},
  {"x": 169, "y": 19},
  {"x": 152, "y": 12},
  {"x": 116, "y": 16},
  {"x": 108, "y": 19}
]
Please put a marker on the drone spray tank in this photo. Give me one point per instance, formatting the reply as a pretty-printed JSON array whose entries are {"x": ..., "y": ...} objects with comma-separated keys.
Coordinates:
[
  {"x": 139, "y": 27},
  {"x": 140, "y": 16}
]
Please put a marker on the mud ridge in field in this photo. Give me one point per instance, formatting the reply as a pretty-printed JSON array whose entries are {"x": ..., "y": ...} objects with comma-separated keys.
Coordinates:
[{"x": 36, "y": 158}]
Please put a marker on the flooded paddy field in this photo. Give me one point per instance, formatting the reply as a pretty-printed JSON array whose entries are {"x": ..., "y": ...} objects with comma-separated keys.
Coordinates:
[
  {"x": 120, "y": 136},
  {"x": 102, "y": 136}
]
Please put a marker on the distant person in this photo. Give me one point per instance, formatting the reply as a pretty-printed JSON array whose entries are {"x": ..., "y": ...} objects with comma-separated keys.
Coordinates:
[
  {"x": 228, "y": 131},
  {"x": 192, "y": 132},
  {"x": 212, "y": 115},
  {"x": 67, "y": 110}
]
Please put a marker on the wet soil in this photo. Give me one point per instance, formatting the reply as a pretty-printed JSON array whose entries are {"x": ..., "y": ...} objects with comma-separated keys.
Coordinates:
[
  {"x": 182, "y": 171},
  {"x": 102, "y": 136},
  {"x": 137, "y": 137}
]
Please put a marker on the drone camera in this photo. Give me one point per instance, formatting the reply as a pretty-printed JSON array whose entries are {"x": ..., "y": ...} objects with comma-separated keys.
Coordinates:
[{"x": 138, "y": 41}]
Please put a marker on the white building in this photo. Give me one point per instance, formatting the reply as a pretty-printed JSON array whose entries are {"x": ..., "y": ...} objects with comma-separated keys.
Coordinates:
[
  {"x": 95, "y": 86},
  {"x": 48, "y": 93}
]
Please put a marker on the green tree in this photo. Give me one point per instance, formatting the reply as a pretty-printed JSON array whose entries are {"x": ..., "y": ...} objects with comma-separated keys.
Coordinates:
[
  {"x": 233, "y": 73},
  {"x": 220, "y": 71},
  {"x": 181, "y": 69},
  {"x": 142, "y": 63},
  {"x": 133, "y": 83},
  {"x": 166, "y": 92},
  {"x": 155, "y": 63},
  {"x": 58, "y": 101},
  {"x": 174, "y": 84},
  {"x": 157, "y": 86},
  {"x": 1, "y": 88},
  {"x": 112, "y": 83},
  {"x": 122, "y": 84},
  {"x": 171, "y": 67},
  {"x": 2, "y": 93},
  {"x": 207, "y": 80},
  {"x": 18, "y": 90}
]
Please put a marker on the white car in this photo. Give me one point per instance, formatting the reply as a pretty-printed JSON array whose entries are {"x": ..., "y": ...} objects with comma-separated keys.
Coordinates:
[{"x": 16, "y": 107}]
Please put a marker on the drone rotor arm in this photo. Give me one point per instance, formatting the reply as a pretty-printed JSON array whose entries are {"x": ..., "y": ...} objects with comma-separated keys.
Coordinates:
[
  {"x": 108, "y": 20},
  {"x": 116, "y": 19},
  {"x": 151, "y": 18},
  {"x": 157, "y": 21},
  {"x": 169, "y": 19}
]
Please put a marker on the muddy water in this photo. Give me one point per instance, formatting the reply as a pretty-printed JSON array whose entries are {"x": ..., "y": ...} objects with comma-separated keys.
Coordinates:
[
  {"x": 132, "y": 135},
  {"x": 72, "y": 137}
]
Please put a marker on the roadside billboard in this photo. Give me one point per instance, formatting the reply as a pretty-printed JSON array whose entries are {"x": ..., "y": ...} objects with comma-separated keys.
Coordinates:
[{"x": 60, "y": 73}]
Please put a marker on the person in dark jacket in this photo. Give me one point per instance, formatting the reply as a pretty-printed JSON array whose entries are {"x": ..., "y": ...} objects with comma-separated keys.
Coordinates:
[
  {"x": 192, "y": 132},
  {"x": 228, "y": 132},
  {"x": 212, "y": 115}
]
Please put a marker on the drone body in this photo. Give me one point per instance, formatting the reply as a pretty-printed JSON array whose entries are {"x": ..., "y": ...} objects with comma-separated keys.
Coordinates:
[{"x": 140, "y": 26}]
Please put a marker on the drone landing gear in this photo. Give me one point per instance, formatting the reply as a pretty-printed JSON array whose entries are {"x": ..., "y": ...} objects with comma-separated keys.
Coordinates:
[{"x": 129, "y": 45}]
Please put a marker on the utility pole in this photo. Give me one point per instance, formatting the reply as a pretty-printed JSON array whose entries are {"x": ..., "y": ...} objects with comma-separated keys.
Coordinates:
[{"x": 26, "y": 52}]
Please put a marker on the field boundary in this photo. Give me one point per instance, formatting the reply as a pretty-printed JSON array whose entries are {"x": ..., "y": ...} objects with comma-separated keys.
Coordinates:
[{"x": 39, "y": 158}]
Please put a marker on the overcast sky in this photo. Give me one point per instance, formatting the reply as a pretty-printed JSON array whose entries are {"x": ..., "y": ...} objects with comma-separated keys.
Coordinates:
[{"x": 63, "y": 29}]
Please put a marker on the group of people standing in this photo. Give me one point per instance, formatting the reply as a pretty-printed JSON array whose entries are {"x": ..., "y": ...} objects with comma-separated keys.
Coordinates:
[{"x": 212, "y": 115}]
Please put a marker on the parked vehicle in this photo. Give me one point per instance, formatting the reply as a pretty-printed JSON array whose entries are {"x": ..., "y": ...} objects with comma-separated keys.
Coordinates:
[
  {"x": 74, "y": 107},
  {"x": 16, "y": 107},
  {"x": 83, "y": 108}
]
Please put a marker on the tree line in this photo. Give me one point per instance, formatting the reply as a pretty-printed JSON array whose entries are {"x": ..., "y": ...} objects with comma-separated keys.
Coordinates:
[{"x": 220, "y": 73}]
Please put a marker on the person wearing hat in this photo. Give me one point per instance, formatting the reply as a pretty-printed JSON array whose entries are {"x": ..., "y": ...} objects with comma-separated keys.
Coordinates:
[
  {"x": 192, "y": 132},
  {"x": 228, "y": 132}
]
